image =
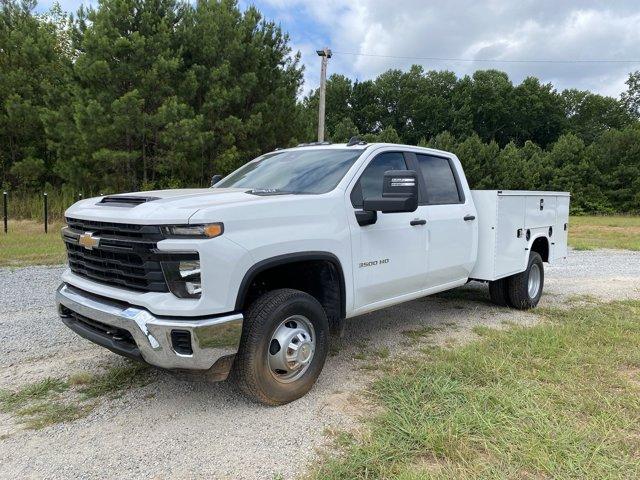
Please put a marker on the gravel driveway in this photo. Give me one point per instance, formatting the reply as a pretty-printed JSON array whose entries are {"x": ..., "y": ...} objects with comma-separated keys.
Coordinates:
[{"x": 173, "y": 428}]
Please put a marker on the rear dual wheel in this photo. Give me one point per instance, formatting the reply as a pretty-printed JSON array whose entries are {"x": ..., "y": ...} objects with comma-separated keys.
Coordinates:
[
  {"x": 523, "y": 290},
  {"x": 498, "y": 291}
]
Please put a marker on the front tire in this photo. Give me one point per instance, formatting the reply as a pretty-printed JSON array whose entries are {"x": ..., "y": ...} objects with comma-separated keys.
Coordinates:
[
  {"x": 525, "y": 289},
  {"x": 283, "y": 348}
]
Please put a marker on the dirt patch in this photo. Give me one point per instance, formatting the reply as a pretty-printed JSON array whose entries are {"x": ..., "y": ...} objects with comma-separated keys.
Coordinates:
[
  {"x": 566, "y": 291},
  {"x": 353, "y": 404},
  {"x": 632, "y": 375}
]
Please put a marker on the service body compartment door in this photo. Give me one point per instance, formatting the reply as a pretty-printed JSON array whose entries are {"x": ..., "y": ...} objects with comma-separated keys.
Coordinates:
[
  {"x": 560, "y": 229},
  {"x": 510, "y": 236},
  {"x": 541, "y": 211}
]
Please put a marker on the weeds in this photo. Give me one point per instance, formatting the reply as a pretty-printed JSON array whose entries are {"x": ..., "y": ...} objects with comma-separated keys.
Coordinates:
[
  {"x": 11, "y": 401},
  {"x": 419, "y": 333},
  {"x": 81, "y": 378},
  {"x": 115, "y": 380},
  {"x": 44, "y": 414},
  {"x": 481, "y": 330}
]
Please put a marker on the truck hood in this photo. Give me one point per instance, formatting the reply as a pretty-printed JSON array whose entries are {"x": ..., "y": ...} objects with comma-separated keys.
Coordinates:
[{"x": 157, "y": 206}]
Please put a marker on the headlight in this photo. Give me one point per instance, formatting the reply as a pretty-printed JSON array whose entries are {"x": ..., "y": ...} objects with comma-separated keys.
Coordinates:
[
  {"x": 183, "y": 278},
  {"x": 209, "y": 230}
]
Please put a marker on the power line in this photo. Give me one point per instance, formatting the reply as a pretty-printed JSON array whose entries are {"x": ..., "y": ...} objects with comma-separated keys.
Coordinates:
[{"x": 482, "y": 60}]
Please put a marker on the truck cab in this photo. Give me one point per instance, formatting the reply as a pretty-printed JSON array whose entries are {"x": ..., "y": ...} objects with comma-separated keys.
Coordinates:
[{"x": 257, "y": 273}]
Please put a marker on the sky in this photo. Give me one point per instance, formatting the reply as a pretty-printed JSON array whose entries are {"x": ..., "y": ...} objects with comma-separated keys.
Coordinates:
[{"x": 368, "y": 36}]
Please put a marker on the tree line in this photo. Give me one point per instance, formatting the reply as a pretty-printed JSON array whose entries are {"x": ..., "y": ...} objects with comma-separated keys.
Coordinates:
[
  {"x": 141, "y": 94},
  {"x": 526, "y": 136}
]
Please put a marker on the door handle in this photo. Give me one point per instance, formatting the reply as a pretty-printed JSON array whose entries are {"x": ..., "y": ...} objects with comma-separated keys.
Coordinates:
[
  {"x": 468, "y": 218},
  {"x": 418, "y": 221}
]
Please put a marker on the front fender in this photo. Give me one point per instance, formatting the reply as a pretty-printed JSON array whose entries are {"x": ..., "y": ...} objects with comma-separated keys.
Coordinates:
[{"x": 295, "y": 257}]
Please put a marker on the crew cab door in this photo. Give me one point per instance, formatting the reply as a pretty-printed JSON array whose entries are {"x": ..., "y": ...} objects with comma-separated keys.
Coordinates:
[
  {"x": 389, "y": 256},
  {"x": 452, "y": 227}
]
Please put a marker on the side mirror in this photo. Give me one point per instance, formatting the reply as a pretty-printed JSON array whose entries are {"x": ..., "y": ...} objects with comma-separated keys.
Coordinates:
[
  {"x": 215, "y": 179},
  {"x": 399, "y": 193}
]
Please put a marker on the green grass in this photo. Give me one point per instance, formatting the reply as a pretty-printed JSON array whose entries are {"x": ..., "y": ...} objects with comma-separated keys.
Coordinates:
[
  {"x": 11, "y": 401},
  {"x": 558, "y": 400},
  {"x": 114, "y": 380},
  {"x": 27, "y": 244},
  {"x": 591, "y": 232},
  {"x": 482, "y": 330},
  {"x": 81, "y": 378},
  {"x": 44, "y": 414},
  {"x": 41, "y": 404}
]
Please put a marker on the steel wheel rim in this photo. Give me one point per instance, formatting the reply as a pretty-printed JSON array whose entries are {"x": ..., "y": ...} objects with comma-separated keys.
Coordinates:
[
  {"x": 534, "y": 281},
  {"x": 291, "y": 348}
]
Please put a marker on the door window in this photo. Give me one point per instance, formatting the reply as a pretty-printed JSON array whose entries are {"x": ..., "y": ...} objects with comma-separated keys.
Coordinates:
[
  {"x": 370, "y": 182},
  {"x": 440, "y": 180}
]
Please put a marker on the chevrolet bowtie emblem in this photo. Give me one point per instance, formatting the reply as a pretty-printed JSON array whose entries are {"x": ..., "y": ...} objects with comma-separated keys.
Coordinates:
[{"x": 88, "y": 241}]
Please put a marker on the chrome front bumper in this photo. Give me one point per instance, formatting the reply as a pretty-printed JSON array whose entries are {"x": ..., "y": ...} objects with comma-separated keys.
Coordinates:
[{"x": 213, "y": 340}]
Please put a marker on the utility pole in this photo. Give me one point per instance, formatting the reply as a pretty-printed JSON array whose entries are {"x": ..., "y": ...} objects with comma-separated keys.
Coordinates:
[{"x": 325, "y": 53}]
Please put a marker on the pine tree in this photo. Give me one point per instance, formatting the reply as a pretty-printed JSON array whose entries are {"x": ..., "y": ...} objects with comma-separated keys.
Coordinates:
[{"x": 34, "y": 66}]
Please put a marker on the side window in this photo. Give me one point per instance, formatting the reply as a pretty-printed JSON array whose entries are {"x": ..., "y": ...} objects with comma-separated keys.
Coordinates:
[
  {"x": 440, "y": 180},
  {"x": 370, "y": 182}
]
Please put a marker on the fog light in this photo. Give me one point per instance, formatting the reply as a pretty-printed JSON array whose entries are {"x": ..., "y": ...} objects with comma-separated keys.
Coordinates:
[
  {"x": 183, "y": 278},
  {"x": 181, "y": 342}
]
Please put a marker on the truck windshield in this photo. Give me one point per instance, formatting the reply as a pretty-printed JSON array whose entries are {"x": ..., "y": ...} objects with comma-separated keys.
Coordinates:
[{"x": 297, "y": 171}]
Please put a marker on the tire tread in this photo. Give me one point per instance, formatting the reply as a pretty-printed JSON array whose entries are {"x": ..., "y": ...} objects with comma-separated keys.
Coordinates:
[
  {"x": 499, "y": 292},
  {"x": 518, "y": 287},
  {"x": 258, "y": 314}
]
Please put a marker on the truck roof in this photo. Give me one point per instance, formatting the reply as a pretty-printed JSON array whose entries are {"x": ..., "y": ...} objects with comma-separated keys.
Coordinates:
[{"x": 361, "y": 146}]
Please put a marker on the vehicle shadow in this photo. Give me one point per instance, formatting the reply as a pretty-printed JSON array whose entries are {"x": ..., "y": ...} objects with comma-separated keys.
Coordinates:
[{"x": 443, "y": 313}]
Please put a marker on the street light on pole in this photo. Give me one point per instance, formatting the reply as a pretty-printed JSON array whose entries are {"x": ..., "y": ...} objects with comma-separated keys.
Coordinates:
[{"x": 325, "y": 53}]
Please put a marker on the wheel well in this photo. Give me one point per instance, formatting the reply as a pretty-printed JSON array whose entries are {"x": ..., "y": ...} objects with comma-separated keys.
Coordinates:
[
  {"x": 319, "y": 276},
  {"x": 541, "y": 246}
]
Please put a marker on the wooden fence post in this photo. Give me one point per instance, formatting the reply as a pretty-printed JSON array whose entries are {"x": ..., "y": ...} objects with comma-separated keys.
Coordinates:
[
  {"x": 46, "y": 213},
  {"x": 5, "y": 197}
]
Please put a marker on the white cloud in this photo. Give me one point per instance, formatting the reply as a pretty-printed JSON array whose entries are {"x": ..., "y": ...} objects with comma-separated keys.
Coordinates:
[{"x": 496, "y": 29}]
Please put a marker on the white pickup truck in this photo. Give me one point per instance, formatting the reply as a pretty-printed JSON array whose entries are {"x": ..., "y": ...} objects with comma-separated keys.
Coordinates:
[{"x": 253, "y": 275}]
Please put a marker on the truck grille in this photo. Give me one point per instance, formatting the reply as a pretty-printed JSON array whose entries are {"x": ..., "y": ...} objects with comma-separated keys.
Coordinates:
[{"x": 125, "y": 256}]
